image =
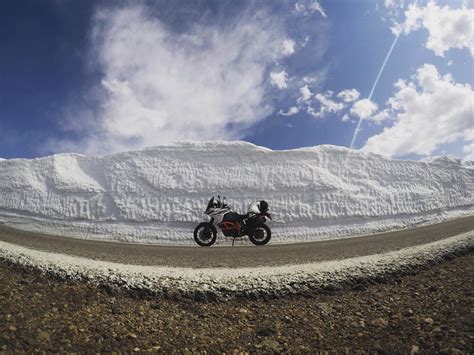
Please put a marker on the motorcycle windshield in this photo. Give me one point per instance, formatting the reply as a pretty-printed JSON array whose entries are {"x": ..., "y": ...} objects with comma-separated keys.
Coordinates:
[{"x": 210, "y": 203}]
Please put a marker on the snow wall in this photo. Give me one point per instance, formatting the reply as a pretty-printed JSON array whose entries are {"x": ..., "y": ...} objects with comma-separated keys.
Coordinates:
[{"x": 157, "y": 195}]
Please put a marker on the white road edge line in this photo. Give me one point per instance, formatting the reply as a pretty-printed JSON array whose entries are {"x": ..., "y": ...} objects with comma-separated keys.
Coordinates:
[{"x": 274, "y": 279}]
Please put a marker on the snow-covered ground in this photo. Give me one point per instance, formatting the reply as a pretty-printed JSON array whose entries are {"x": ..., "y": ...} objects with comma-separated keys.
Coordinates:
[{"x": 157, "y": 195}]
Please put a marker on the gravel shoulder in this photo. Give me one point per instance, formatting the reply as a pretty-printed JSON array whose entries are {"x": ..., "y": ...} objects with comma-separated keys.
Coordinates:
[
  {"x": 431, "y": 311},
  {"x": 239, "y": 256}
]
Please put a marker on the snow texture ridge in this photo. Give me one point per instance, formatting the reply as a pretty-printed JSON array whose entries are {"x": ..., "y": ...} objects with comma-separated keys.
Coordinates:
[{"x": 157, "y": 195}]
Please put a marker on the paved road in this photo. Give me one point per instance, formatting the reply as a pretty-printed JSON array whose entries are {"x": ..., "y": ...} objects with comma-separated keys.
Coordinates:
[{"x": 239, "y": 256}]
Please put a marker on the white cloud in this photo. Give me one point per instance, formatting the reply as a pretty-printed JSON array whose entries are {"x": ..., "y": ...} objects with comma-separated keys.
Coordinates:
[
  {"x": 326, "y": 105},
  {"x": 394, "y": 7},
  {"x": 292, "y": 111},
  {"x": 279, "y": 79},
  {"x": 159, "y": 86},
  {"x": 379, "y": 117},
  {"x": 305, "y": 94},
  {"x": 321, "y": 104},
  {"x": 349, "y": 95},
  {"x": 447, "y": 27},
  {"x": 126, "y": 115},
  {"x": 305, "y": 41},
  {"x": 309, "y": 7},
  {"x": 288, "y": 47},
  {"x": 345, "y": 118},
  {"x": 364, "y": 108},
  {"x": 311, "y": 79},
  {"x": 303, "y": 100},
  {"x": 431, "y": 110}
]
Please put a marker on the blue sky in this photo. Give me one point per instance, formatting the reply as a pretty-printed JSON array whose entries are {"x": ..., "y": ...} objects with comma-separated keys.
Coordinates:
[{"x": 102, "y": 77}]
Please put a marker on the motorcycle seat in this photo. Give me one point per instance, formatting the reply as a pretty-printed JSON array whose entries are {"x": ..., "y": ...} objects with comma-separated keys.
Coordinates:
[{"x": 234, "y": 217}]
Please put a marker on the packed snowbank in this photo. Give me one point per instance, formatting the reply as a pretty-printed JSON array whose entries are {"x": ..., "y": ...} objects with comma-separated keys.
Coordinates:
[{"x": 157, "y": 195}]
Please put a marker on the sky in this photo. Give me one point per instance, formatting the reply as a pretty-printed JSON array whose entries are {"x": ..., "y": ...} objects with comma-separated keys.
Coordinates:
[{"x": 100, "y": 77}]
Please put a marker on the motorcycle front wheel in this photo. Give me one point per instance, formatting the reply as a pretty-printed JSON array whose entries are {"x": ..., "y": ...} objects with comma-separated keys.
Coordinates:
[
  {"x": 205, "y": 234},
  {"x": 260, "y": 235}
]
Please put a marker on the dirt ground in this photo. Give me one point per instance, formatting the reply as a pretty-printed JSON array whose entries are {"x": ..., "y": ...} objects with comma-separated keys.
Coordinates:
[{"x": 428, "y": 312}]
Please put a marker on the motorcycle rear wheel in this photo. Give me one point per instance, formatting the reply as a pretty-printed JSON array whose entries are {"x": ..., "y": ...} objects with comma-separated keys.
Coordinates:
[
  {"x": 205, "y": 234},
  {"x": 260, "y": 235}
]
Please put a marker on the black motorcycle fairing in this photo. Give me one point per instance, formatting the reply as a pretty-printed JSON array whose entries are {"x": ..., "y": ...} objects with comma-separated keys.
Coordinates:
[
  {"x": 210, "y": 204},
  {"x": 254, "y": 221}
]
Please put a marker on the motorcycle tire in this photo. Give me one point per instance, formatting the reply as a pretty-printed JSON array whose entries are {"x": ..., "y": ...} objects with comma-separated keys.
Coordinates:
[
  {"x": 260, "y": 235},
  {"x": 205, "y": 234}
]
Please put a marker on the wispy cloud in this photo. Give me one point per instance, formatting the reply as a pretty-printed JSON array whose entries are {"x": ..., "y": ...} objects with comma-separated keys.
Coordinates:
[
  {"x": 309, "y": 7},
  {"x": 160, "y": 86}
]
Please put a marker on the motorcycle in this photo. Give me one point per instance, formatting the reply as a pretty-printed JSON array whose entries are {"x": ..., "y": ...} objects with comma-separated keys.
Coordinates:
[{"x": 232, "y": 224}]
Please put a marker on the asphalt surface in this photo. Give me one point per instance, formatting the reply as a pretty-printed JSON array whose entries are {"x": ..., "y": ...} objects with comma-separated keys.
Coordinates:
[{"x": 239, "y": 256}]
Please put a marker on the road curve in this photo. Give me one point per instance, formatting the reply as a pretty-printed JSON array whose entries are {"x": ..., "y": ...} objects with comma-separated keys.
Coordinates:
[{"x": 239, "y": 256}]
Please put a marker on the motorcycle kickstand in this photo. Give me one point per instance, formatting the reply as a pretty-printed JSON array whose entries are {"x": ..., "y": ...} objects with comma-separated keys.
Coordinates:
[{"x": 233, "y": 240}]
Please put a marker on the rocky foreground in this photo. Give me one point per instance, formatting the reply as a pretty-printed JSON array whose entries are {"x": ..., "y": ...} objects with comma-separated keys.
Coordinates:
[{"x": 428, "y": 312}]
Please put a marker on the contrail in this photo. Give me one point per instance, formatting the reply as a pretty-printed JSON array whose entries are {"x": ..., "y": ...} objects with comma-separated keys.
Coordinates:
[{"x": 373, "y": 86}]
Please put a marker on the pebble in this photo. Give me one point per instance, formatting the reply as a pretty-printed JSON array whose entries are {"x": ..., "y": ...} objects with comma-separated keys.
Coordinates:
[
  {"x": 379, "y": 322},
  {"x": 325, "y": 307},
  {"x": 117, "y": 311},
  {"x": 428, "y": 321},
  {"x": 263, "y": 332},
  {"x": 271, "y": 344},
  {"x": 42, "y": 336}
]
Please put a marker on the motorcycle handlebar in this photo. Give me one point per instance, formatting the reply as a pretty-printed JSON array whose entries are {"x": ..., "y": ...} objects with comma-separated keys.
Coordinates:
[{"x": 266, "y": 214}]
